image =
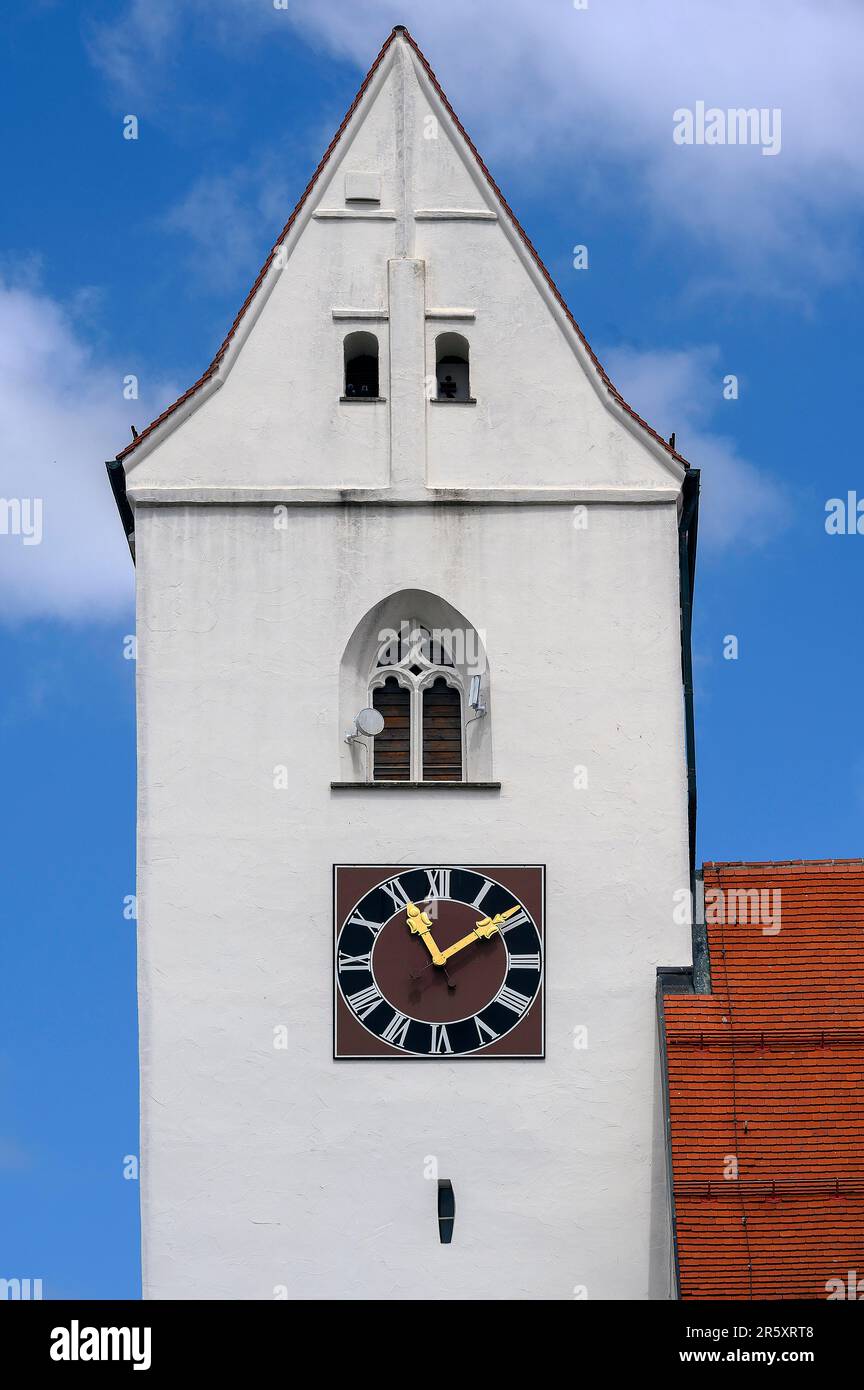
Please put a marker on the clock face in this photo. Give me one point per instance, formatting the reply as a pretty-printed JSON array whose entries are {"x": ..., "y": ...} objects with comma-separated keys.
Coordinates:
[{"x": 438, "y": 961}]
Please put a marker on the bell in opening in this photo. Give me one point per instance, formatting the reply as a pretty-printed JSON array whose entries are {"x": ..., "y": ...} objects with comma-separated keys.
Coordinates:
[
  {"x": 361, "y": 365},
  {"x": 451, "y": 364}
]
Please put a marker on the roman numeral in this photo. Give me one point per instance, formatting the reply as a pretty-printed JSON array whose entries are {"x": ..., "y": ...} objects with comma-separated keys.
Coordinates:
[
  {"x": 364, "y": 1001},
  {"x": 358, "y": 920},
  {"x": 395, "y": 891},
  {"x": 347, "y": 962},
  {"x": 512, "y": 999},
  {"x": 440, "y": 1040},
  {"x": 482, "y": 894},
  {"x": 396, "y": 1030},
  {"x": 439, "y": 883},
  {"x": 525, "y": 962},
  {"x": 484, "y": 1029},
  {"x": 515, "y": 921}
]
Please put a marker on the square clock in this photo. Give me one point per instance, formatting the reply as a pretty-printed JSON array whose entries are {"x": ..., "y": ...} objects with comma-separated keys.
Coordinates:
[{"x": 438, "y": 961}]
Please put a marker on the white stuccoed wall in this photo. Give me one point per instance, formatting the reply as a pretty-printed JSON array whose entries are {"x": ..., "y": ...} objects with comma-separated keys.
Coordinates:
[{"x": 265, "y": 1167}]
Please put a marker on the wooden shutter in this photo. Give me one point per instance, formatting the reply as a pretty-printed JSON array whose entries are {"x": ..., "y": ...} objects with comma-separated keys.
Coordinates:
[
  {"x": 442, "y": 733},
  {"x": 392, "y": 748}
]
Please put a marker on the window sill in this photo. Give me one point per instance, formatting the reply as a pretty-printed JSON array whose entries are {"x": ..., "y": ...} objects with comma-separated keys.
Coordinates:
[
  {"x": 440, "y": 400},
  {"x": 362, "y": 400},
  {"x": 415, "y": 786}
]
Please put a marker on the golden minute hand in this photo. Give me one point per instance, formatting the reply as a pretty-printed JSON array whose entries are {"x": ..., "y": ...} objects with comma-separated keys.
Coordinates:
[
  {"x": 485, "y": 928},
  {"x": 420, "y": 924}
]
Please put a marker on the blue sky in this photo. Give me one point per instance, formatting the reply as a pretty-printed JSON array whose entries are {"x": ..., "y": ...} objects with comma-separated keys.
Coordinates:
[{"x": 122, "y": 257}]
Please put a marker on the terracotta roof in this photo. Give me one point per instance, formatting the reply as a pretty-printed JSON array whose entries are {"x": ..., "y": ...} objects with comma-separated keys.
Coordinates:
[
  {"x": 401, "y": 30},
  {"x": 766, "y": 1080}
]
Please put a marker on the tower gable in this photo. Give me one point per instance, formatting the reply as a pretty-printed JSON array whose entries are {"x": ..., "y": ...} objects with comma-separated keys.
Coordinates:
[{"x": 402, "y": 252}]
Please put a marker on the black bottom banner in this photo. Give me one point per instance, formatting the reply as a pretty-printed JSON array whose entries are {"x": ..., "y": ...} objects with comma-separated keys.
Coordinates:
[{"x": 157, "y": 1339}]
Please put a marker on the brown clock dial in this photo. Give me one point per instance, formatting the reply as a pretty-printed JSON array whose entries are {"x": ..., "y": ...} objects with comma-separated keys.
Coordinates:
[{"x": 438, "y": 961}]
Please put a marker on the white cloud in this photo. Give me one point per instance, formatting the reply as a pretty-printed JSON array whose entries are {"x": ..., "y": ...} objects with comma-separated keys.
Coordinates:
[
  {"x": 62, "y": 413},
  {"x": 229, "y": 221},
  {"x": 129, "y": 49},
  {"x": 683, "y": 391},
  {"x": 597, "y": 88}
]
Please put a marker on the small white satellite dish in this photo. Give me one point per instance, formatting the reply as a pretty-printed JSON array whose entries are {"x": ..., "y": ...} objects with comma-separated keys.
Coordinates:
[{"x": 369, "y": 722}]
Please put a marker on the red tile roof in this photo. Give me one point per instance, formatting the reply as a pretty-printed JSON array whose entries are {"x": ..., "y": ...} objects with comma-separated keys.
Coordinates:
[
  {"x": 766, "y": 1085},
  {"x": 400, "y": 29}
]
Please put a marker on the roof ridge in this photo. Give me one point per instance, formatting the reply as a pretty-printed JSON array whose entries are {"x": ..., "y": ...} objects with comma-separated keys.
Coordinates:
[
  {"x": 778, "y": 863},
  {"x": 401, "y": 30}
]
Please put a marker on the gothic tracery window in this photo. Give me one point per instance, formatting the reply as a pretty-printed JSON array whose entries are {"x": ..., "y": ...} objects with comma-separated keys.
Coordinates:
[{"x": 415, "y": 687}]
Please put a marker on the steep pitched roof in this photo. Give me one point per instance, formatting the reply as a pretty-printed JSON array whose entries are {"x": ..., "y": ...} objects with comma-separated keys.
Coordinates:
[
  {"x": 402, "y": 32},
  {"x": 766, "y": 1085}
]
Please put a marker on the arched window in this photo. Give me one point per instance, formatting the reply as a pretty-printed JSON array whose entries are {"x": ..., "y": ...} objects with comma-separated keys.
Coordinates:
[
  {"x": 429, "y": 678},
  {"x": 416, "y": 688},
  {"x": 451, "y": 367},
  {"x": 361, "y": 366}
]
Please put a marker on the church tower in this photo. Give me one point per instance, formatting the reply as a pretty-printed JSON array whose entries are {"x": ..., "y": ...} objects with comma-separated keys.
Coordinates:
[{"x": 413, "y": 827}]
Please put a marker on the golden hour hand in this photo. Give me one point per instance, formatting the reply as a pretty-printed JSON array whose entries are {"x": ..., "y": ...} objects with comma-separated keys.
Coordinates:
[
  {"x": 486, "y": 927},
  {"x": 420, "y": 924}
]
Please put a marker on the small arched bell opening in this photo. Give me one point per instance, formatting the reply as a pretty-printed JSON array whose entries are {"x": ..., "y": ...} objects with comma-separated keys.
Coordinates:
[
  {"x": 361, "y": 366},
  {"x": 451, "y": 367}
]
